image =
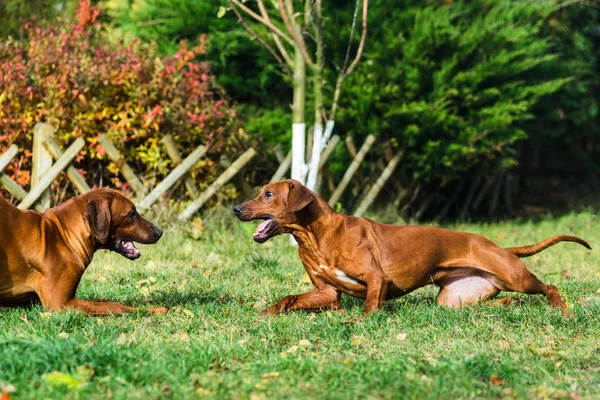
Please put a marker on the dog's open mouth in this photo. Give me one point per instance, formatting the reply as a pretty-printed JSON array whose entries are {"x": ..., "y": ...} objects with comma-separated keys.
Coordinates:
[
  {"x": 264, "y": 231},
  {"x": 128, "y": 249}
]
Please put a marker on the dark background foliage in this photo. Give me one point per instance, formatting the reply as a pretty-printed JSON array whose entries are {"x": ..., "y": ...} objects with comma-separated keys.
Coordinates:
[{"x": 499, "y": 95}]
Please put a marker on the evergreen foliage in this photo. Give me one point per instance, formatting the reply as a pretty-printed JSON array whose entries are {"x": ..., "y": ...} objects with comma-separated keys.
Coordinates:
[{"x": 453, "y": 84}]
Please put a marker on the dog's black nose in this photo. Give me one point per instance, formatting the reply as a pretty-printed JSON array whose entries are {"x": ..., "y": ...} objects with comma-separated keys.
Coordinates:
[
  {"x": 158, "y": 232},
  {"x": 237, "y": 210}
]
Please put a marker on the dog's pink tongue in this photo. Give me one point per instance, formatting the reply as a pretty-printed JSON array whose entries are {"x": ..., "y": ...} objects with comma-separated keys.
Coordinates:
[{"x": 262, "y": 227}]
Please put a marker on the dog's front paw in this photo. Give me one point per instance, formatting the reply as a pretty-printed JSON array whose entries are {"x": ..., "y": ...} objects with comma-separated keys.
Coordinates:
[
  {"x": 281, "y": 306},
  {"x": 274, "y": 309},
  {"x": 158, "y": 310}
]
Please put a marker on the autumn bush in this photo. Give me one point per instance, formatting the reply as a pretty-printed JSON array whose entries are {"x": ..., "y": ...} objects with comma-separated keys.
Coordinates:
[{"x": 72, "y": 77}]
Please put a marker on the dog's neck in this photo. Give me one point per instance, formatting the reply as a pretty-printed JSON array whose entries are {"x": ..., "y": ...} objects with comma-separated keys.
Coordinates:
[
  {"x": 77, "y": 236},
  {"x": 315, "y": 222}
]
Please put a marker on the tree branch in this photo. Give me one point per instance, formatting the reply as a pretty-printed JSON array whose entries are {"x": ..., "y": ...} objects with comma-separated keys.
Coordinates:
[
  {"x": 345, "y": 72},
  {"x": 282, "y": 50},
  {"x": 281, "y": 62},
  {"x": 363, "y": 37},
  {"x": 257, "y": 17},
  {"x": 298, "y": 40},
  {"x": 354, "y": 17}
]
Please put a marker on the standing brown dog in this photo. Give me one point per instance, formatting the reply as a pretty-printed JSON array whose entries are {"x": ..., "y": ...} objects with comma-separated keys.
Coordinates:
[
  {"x": 43, "y": 256},
  {"x": 344, "y": 254}
]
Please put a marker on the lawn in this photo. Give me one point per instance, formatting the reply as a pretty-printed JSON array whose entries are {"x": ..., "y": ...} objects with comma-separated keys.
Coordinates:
[{"x": 213, "y": 343}]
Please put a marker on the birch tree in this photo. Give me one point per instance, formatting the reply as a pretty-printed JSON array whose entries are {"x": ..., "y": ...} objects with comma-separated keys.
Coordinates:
[{"x": 294, "y": 36}]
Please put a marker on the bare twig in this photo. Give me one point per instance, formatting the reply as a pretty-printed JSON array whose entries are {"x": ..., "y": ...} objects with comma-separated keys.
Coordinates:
[
  {"x": 257, "y": 17},
  {"x": 344, "y": 72},
  {"x": 288, "y": 24},
  {"x": 354, "y": 17},
  {"x": 363, "y": 37},
  {"x": 284, "y": 64},
  {"x": 282, "y": 50}
]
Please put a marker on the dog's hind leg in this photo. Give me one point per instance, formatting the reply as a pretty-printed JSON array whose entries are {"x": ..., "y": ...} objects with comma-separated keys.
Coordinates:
[{"x": 467, "y": 290}]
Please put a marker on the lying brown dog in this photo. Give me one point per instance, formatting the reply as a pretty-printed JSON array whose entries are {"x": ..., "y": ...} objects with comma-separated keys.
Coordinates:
[
  {"x": 344, "y": 254},
  {"x": 43, "y": 256}
]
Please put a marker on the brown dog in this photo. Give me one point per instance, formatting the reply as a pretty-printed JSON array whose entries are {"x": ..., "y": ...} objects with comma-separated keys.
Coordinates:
[
  {"x": 43, "y": 256},
  {"x": 344, "y": 254}
]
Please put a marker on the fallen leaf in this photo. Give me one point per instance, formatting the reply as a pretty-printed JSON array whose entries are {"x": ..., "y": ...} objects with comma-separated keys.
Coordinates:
[
  {"x": 122, "y": 339},
  {"x": 494, "y": 380},
  {"x": 213, "y": 259},
  {"x": 503, "y": 344},
  {"x": 187, "y": 312},
  {"x": 401, "y": 336},
  {"x": 7, "y": 388},
  {"x": 500, "y": 235},
  {"x": 101, "y": 278},
  {"x": 141, "y": 282},
  {"x": 184, "y": 337},
  {"x": 292, "y": 349},
  {"x": 63, "y": 335},
  {"x": 260, "y": 304},
  {"x": 61, "y": 379},
  {"x": 357, "y": 340},
  {"x": 545, "y": 392},
  {"x": 24, "y": 318},
  {"x": 305, "y": 343},
  {"x": 270, "y": 375},
  {"x": 547, "y": 351}
]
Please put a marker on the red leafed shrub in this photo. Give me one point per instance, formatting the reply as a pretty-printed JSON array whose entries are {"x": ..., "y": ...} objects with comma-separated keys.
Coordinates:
[{"x": 76, "y": 80}]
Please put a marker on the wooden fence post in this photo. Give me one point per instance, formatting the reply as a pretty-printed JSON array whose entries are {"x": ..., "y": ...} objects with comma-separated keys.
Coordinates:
[
  {"x": 174, "y": 155},
  {"x": 351, "y": 170},
  {"x": 7, "y": 157},
  {"x": 335, "y": 139},
  {"x": 118, "y": 159},
  {"x": 283, "y": 168},
  {"x": 75, "y": 177},
  {"x": 376, "y": 188},
  {"x": 41, "y": 159},
  {"x": 173, "y": 177},
  {"x": 49, "y": 177},
  {"x": 216, "y": 185},
  {"x": 8, "y": 183}
]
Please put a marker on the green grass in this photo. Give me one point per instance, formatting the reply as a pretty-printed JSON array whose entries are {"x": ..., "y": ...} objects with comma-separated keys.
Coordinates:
[{"x": 214, "y": 344}]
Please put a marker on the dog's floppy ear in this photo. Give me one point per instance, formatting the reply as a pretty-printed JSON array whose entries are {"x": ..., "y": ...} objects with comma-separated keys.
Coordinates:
[
  {"x": 97, "y": 213},
  {"x": 298, "y": 196}
]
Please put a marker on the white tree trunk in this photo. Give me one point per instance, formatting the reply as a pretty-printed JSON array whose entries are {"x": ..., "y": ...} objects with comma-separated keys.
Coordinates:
[
  {"x": 315, "y": 160},
  {"x": 299, "y": 168}
]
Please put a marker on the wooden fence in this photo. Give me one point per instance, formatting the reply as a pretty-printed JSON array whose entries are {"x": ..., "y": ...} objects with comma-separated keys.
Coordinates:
[{"x": 48, "y": 161}]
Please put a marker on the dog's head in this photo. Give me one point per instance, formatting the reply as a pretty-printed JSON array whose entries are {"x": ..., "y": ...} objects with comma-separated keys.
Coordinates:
[
  {"x": 278, "y": 204},
  {"x": 115, "y": 223}
]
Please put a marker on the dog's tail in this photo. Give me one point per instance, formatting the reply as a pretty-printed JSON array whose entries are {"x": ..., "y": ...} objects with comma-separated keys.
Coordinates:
[{"x": 526, "y": 251}]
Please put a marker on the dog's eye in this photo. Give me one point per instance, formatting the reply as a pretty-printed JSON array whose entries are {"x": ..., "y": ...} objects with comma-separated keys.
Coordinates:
[
  {"x": 132, "y": 214},
  {"x": 268, "y": 194}
]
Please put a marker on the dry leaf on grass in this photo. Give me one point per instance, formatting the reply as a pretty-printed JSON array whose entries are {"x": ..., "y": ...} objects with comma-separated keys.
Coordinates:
[
  {"x": 494, "y": 380},
  {"x": 7, "y": 388},
  {"x": 270, "y": 375}
]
